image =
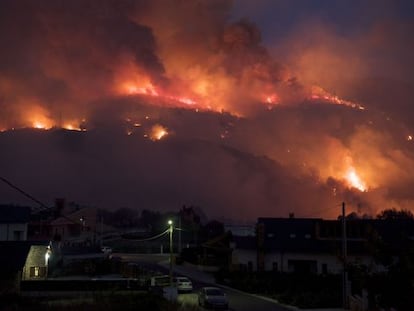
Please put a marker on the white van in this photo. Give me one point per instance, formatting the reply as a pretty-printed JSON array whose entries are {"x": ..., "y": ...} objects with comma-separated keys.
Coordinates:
[{"x": 160, "y": 280}]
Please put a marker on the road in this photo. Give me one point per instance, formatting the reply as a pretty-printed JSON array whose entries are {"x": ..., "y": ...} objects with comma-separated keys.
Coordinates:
[{"x": 239, "y": 301}]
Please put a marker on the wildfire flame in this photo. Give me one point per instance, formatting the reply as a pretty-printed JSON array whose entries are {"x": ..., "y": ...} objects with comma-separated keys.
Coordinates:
[
  {"x": 319, "y": 93},
  {"x": 131, "y": 88},
  {"x": 42, "y": 123},
  {"x": 158, "y": 132},
  {"x": 70, "y": 126},
  {"x": 354, "y": 180},
  {"x": 272, "y": 99}
]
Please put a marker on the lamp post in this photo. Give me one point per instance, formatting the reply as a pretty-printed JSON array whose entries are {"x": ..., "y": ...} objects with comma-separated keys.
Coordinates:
[
  {"x": 345, "y": 293},
  {"x": 47, "y": 256},
  {"x": 170, "y": 222}
]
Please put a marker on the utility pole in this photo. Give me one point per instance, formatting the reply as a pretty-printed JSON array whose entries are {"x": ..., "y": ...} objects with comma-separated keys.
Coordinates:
[
  {"x": 101, "y": 231},
  {"x": 345, "y": 265},
  {"x": 179, "y": 235},
  {"x": 171, "y": 252}
]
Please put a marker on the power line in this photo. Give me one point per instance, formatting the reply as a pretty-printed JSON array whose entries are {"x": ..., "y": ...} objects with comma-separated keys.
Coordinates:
[
  {"x": 149, "y": 239},
  {"x": 43, "y": 206},
  {"x": 24, "y": 193}
]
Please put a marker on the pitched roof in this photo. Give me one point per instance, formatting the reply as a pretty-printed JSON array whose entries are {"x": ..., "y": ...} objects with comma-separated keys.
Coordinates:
[
  {"x": 88, "y": 214},
  {"x": 302, "y": 234}
]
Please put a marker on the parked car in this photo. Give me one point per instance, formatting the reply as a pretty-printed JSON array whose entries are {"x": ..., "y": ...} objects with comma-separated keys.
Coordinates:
[
  {"x": 106, "y": 249},
  {"x": 183, "y": 284},
  {"x": 160, "y": 281},
  {"x": 213, "y": 297},
  {"x": 160, "y": 284}
]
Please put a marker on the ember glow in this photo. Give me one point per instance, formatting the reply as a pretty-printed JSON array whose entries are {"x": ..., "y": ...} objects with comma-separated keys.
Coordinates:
[
  {"x": 272, "y": 99},
  {"x": 158, "y": 132}
]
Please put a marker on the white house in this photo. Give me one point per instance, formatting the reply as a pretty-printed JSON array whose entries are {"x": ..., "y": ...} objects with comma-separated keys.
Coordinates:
[
  {"x": 14, "y": 222},
  {"x": 313, "y": 245}
]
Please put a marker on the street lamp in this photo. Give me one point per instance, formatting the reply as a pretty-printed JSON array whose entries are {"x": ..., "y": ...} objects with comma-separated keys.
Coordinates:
[
  {"x": 47, "y": 256},
  {"x": 170, "y": 223}
]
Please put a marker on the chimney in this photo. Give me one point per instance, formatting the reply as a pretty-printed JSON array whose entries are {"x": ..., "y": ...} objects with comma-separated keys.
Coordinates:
[{"x": 59, "y": 206}]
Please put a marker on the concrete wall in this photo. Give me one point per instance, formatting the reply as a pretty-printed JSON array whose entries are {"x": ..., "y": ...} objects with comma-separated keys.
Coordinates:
[
  {"x": 13, "y": 232},
  {"x": 244, "y": 256},
  {"x": 333, "y": 265},
  {"x": 35, "y": 259}
]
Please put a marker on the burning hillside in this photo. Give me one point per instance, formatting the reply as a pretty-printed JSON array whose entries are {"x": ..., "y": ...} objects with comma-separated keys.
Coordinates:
[{"x": 202, "y": 115}]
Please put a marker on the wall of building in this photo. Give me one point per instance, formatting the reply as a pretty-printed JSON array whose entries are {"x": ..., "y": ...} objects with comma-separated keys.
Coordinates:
[
  {"x": 35, "y": 266},
  {"x": 13, "y": 232},
  {"x": 246, "y": 258},
  {"x": 280, "y": 262}
]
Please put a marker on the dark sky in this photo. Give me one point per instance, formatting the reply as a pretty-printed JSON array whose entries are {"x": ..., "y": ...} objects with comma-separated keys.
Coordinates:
[{"x": 271, "y": 107}]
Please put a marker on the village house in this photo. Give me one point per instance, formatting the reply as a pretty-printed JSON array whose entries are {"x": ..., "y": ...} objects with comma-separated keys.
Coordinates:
[
  {"x": 313, "y": 245},
  {"x": 14, "y": 222}
]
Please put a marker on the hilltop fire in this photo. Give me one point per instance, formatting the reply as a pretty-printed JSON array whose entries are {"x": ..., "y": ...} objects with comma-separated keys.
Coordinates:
[
  {"x": 235, "y": 124},
  {"x": 319, "y": 94}
]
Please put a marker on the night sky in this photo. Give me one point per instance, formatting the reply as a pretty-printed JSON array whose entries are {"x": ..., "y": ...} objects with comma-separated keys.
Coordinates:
[{"x": 244, "y": 108}]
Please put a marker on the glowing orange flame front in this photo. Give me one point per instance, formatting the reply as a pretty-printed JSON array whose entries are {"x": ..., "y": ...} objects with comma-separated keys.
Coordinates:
[
  {"x": 318, "y": 93},
  {"x": 354, "y": 180}
]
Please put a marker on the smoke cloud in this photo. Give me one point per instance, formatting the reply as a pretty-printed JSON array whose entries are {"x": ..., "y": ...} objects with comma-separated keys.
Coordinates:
[{"x": 251, "y": 126}]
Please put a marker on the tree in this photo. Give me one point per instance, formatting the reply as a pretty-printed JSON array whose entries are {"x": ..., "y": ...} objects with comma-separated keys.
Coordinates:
[
  {"x": 392, "y": 214},
  {"x": 396, "y": 288},
  {"x": 153, "y": 220}
]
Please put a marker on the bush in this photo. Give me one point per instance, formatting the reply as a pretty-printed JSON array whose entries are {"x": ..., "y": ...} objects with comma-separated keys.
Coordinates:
[
  {"x": 305, "y": 291},
  {"x": 105, "y": 302}
]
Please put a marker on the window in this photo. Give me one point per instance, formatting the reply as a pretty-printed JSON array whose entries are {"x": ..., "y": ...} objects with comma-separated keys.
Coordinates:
[
  {"x": 250, "y": 266},
  {"x": 302, "y": 266},
  {"x": 17, "y": 235},
  {"x": 37, "y": 272}
]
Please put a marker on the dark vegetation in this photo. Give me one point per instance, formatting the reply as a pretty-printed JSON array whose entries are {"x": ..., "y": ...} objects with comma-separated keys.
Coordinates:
[
  {"x": 303, "y": 291},
  {"x": 111, "y": 301},
  {"x": 394, "y": 288}
]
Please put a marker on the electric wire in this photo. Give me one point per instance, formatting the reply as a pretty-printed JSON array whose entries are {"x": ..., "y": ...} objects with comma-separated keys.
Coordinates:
[
  {"x": 44, "y": 207},
  {"x": 150, "y": 238}
]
